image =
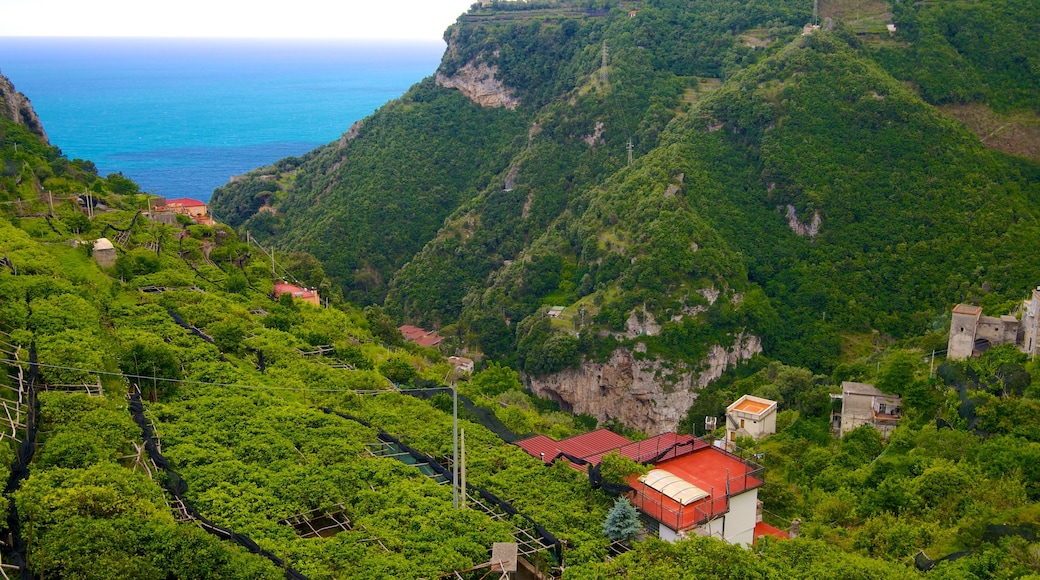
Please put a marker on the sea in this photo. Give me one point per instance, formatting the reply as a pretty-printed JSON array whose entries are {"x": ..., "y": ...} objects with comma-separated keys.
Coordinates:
[{"x": 182, "y": 116}]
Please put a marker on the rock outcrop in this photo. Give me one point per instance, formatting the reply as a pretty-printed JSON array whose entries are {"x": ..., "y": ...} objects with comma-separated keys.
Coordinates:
[
  {"x": 16, "y": 107},
  {"x": 479, "y": 83},
  {"x": 641, "y": 394},
  {"x": 803, "y": 229}
]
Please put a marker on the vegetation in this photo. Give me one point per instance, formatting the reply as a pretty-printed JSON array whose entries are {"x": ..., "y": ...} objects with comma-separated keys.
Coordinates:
[{"x": 802, "y": 190}]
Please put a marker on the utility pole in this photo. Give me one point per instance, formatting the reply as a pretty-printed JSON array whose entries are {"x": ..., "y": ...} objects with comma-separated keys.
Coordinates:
[
  {"x": 462, "y": 495},
  {"x": 816, "y": 13},
  {"x": 630, "y": 148},
  {"x": 455, "y": 444},
  {"x": 603, "y": 64}
]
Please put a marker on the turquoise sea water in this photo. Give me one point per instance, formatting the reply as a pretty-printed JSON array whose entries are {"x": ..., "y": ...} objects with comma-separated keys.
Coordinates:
[{"x": 182, "y": 116}]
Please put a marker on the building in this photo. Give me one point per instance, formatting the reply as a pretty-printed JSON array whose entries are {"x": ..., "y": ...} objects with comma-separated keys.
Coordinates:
[
  {"x": 308, "y": 295},
  {"x": 104, "y": 253},
  {"x": 705, "y": 492},
  {"x": 694, "y": 488},
  {"x": 461, "y": 364},
  {"x": 193, "y": 208},
  {"x": 750, "y": 416},
  {"x": 419, "y": 336},
  {"x": 589, "y": 448},
  {"x": 972, "y": 334},
  {"x": 863, "y": 404}
]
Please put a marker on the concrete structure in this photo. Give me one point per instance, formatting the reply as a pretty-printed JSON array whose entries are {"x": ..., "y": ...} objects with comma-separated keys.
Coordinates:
[
  {"x": 308, "y": 295},
  {"x": 972, "y": 334},
  {"x": 104, "y": 253},
  {"x": 863, "y": 404},
  {"x": 750, "y": 416}
]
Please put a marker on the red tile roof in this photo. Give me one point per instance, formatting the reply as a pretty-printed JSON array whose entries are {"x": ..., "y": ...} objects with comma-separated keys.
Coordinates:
[
  {"x": 420, "y": 336},
  {"x": 592, "y": 446},
  {"x": 593, "y": 443}
]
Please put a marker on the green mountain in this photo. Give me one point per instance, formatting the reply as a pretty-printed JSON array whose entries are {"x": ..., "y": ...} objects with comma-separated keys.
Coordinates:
[
  {"x": 693, "y": 183},
  {"x": 165, "y": 417}
]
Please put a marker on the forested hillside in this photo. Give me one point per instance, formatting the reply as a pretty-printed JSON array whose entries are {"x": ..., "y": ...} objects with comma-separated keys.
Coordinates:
[
  {"x": 807, "y": 180},
  {"x": 166, "y": 417}
]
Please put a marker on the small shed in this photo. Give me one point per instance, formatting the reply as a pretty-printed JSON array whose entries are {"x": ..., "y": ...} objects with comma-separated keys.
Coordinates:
[{"x": 104, "y": 253}]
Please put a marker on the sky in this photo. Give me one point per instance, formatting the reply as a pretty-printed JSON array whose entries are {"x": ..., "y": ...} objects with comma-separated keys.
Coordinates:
[{"x": 340, "y": 19}]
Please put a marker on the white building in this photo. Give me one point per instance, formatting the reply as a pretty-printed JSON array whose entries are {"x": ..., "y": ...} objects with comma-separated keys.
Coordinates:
[{"x": 750, "y": 416}]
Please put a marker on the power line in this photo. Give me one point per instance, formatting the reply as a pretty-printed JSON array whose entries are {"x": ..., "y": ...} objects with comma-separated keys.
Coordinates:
[{"x": 233, "y": 385}]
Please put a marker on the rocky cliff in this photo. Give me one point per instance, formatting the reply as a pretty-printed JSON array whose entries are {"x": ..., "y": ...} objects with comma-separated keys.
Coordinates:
[
  {"x": 16, "y": 107},
  {"x": 480, "y": 85},
  {"x": 640, "y": 393}
]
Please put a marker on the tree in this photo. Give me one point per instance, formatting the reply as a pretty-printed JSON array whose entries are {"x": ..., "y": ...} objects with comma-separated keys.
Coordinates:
[
  {"x": 398, "y": 369},
  {"x": 496, "y": 379},
  {"x": 622, "y": 521}
]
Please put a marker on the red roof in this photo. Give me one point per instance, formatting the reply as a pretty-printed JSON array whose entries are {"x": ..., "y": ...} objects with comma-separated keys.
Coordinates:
[
  {"x": 764, "y": 529},
  {"x": 671, "y": 444},
  {"x": 716, "y": 472},
  {"x": 287, "y": 288},
  {"x": 593, "y": 443},
  {"x": 185, "y": 201},
  {"x": 420, "y": 336},
  {"x": 592, "y": 446}
]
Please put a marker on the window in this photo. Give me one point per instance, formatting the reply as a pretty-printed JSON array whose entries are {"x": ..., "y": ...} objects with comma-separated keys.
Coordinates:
[
  {"x": 741, "y": 423},
  {"x": 881, "y": 408}
]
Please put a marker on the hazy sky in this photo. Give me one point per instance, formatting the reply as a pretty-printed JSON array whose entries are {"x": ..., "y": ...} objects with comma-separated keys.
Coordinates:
[{"x": 396, "y": 19}]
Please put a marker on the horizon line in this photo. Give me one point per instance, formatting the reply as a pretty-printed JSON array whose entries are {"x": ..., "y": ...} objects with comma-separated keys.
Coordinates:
[{"x": 224, "y": 38}]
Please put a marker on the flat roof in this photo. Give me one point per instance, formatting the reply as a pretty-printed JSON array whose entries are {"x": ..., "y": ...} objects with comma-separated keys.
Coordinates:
[
  {"x": 852, "y": 388},
  {"x": 751, "y": 405},
  {"x": 718, "y": 473},
  {"x": 967, "y": 309}
]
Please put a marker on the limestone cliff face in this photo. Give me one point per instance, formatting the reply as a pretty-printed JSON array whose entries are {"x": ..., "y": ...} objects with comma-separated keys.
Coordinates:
[
  {"x": 479, "y": 83},
  {"x": 636, "y": 392},
  {"x": 16, "y": 107}
]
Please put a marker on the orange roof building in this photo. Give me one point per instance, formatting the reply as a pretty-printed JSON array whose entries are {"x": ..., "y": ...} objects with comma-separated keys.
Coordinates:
[
  {"x": 750, "y": 416},
  {"x": 308, "y": 295},
  {"x": 707, "y": 492},
  {"x": 694, "y": 488},
  {"x": 197, "y": 210}
]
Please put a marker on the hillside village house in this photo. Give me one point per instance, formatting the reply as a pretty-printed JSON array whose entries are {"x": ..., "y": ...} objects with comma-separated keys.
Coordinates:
[
  {"x": 750, "y": 416},
  {"x": 694, "y": 488},
  {"x": 196, "y": 210},
  {"x": 461, "y": 364},
  {"x": 863, "y": 404},
  {"x": 972, "y": 334},
  {"x": 308, "y": 295}
]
